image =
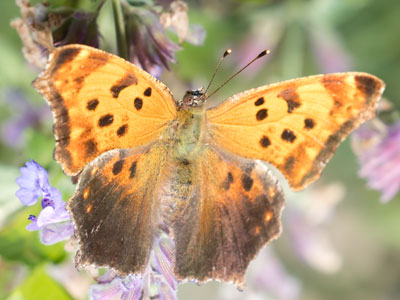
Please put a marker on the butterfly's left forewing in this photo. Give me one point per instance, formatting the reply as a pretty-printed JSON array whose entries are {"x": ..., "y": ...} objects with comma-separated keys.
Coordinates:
[
  {"x": 295, "y": 125},
  {"x": 101, "y": 102}
]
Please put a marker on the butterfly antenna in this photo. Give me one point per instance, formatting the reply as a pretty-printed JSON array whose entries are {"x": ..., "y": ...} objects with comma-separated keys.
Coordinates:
[
  {"x": 226, "y": 53},
  {"x": 265, "y": 52}
]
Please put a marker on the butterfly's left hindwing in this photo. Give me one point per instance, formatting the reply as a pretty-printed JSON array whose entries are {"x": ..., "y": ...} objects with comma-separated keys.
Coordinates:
[
  {"x": 116, "y": 208},
  {"x": 231, "y": 212},
  {"x": 295, "y": 125}
]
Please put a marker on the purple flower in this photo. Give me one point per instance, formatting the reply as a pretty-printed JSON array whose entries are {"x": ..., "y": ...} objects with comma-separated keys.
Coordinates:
[
  {"x": 54, "y": 221},
  {"x": 149, "y": 46},
  {"x": 269, "y": 38},
  {"x": 329, "y": 50},
  {"x": 266, "y": 276},
  {"x": 303, "y": 225},
  {"x": 157, "y": 281},
  {"x": 33, "y": 183},
  {"x": 78, "y": 28},
  {"x": 379, "y": 157},
  {"x": 274, "y": 277},
  {"x": 25, "y": 115}
]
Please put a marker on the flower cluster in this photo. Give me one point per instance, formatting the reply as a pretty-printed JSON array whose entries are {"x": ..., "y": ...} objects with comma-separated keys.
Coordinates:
[
  {"x": 23, "y": 115},
  {"x": 54, "y": 221},
  {"x": 148, "y": 43},
  {"x": 377, "y": 148},
  {"x": 156, "y": 282},
  {"x": 141, "y": 31}
]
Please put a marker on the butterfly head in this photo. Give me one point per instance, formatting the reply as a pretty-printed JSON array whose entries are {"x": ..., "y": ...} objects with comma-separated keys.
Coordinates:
[{"x": 193, "y": 98}]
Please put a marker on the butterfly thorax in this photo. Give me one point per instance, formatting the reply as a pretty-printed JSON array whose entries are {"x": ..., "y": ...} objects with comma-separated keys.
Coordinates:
[{"x": 190, "y": 122}]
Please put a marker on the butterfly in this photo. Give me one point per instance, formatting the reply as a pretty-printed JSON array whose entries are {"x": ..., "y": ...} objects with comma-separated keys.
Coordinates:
[{"x": 146, "y": 161}]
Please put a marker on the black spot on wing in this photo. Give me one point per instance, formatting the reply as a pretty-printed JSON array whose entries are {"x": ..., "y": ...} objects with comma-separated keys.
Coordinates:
[
  {"x": 123, "y": 83},
  {"x": 92, "y": 104},
  {"x": 138, "y": 103},
  {"x": 117, "y": 167},
  {"x": 122, "y": 130},
  {"x": 147, "y": 92},
  {"x": 106, "y": 120},
  {"x": 247, "y": 182},
  {"x": 262, "y": 114},
  {"x": 260, "y": 101},
  {"x": 288, "y": 135},
  {"x": 132, "y": 170},
  {"x": 309, "y": 124},
  {"x": 227, "y": 182},
  {"x": 265, "y": 142}
]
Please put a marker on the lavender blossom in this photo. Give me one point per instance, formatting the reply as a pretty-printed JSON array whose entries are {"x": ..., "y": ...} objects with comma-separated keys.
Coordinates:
[
  {"x": 157, "y": 281},
  {"x": 79, "y": 27},
  {"x": 330, "y": 54},
  {"x": 272, "y": 30},
  {"x": 149, "y": 46},
  {"x": 25, "y": 116},
  {"x": 379, "y": 157},
  {"x": 303, "y": 224},
  {"x": 266, "y": 276},
  {"x": 54, "y": 221}
]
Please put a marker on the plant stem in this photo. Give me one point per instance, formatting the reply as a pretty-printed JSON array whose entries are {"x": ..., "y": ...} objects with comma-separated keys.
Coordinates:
[{"x": 120, "y": 29}]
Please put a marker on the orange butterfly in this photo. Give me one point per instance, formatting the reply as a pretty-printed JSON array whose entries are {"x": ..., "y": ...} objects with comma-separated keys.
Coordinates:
[{"x": 146, "y": 161}]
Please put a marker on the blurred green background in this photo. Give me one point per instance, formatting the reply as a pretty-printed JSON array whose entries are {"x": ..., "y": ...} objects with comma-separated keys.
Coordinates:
[{"x": 306, "y": 37}]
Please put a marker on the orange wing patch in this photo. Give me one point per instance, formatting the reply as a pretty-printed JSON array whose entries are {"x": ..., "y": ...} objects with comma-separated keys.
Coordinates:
[
  {"x": 101, "y": 102},
  {"x": 296, "y": 125}
]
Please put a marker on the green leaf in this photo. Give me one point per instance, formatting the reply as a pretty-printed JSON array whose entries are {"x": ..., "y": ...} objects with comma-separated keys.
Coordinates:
[
  {"x": 19, "y": 244},
  {"x": 41, "y": 286},
  {"x": 40, "y": 146},
  {"x": 8, "y": 187}
]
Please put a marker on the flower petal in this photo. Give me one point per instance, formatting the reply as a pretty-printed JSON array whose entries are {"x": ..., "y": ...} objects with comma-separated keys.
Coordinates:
[
  {"x": 33, "y": 182},
  {"x": 32, "y": 226},
  {"x": 49, "y": 215},
  {"x": 28, "y": 197},
  {"x": 380, "y": 162},
  {"x": 54, "y": 233},
  {"x": 105, "y": 291}
]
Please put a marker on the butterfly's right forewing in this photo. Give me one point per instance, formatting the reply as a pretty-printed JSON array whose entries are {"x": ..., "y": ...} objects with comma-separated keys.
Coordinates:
[{"x": 295, "y": 125}]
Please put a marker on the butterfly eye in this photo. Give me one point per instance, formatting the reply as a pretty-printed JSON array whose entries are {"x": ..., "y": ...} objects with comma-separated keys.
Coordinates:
[
  {"x": 195, "y": 93},
  {"x": 192, "y": 99}
]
